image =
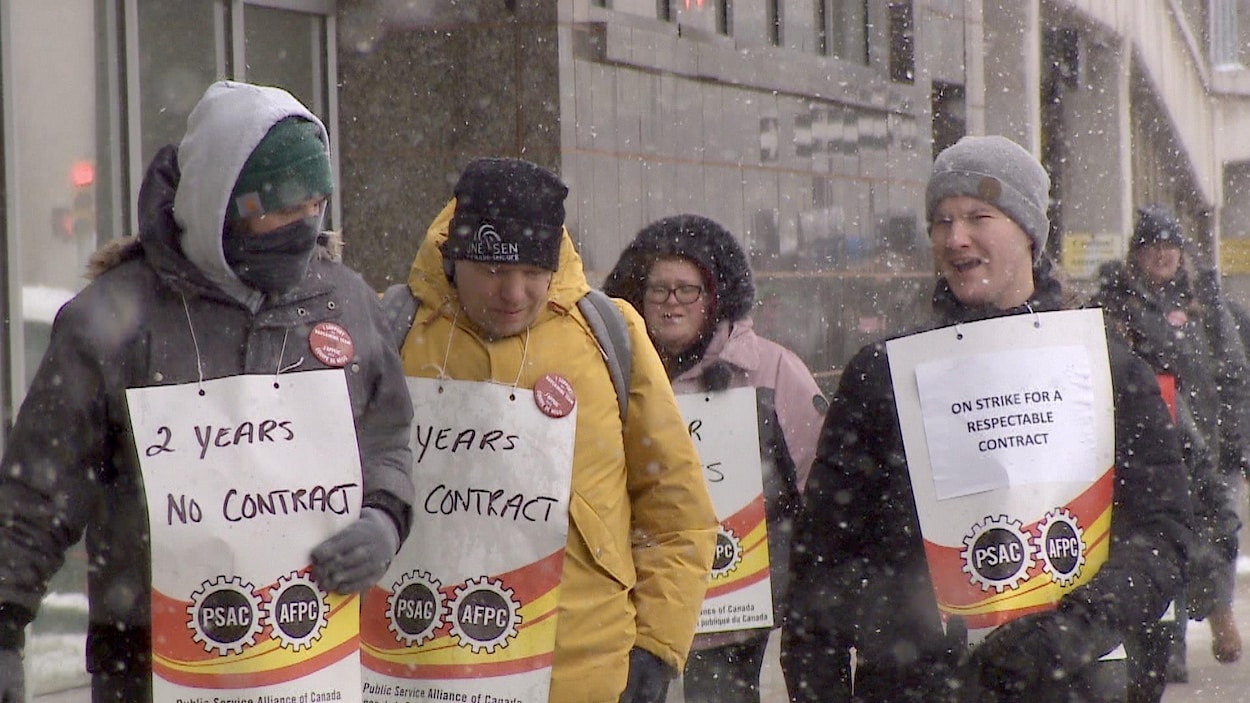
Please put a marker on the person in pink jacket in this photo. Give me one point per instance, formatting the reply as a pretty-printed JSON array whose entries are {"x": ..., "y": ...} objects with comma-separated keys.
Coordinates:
[{"x": 690, "y": 279}]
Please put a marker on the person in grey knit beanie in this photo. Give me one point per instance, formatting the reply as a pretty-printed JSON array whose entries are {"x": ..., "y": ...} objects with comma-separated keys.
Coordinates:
[{"x": 1000, "y": 172}]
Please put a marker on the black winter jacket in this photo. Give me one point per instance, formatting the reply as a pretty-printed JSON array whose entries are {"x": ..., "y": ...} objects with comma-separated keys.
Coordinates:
[
  {"x": 860, "y": 578},
  {"x": 1204, "y": 352}
]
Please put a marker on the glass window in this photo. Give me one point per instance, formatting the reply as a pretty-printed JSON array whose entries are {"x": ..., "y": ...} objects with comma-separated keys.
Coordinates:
[
  {"x": 800, "y": 30},
  {"x": 950, "y": 120},
  {"x": 708, "y": 15},
  {"x": 53, "y": 217},
  {"x": 846, "y": 29},
  {"x": 902, "y": 42},
  {"x": 645, "y": 8},
  {"x": 181, "y": 51},
  {"x": 286, "y": 49}
]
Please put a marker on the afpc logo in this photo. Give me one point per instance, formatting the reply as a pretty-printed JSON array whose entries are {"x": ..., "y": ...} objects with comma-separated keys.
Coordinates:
[
  {"x": 1061, "y": 545},
  {"x": 298, "y": 611},
  {"x": 997, "y": 553},
  {"x": 485, "y": 615},
  {"x": 728, "y": 553}
]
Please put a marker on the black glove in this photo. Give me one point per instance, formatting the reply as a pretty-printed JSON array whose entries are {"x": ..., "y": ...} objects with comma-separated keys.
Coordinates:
[
  {"x": 12, "y": 677},
  {"x": 1209, "y": 580},
  {"x": 1032, "y": 658},
  {"x": 648, "y": 678},
  {"x": 355, "y": 558}
]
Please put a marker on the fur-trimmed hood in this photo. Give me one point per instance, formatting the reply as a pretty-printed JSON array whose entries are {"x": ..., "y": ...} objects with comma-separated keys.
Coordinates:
[{"x": 711, "y": 247}]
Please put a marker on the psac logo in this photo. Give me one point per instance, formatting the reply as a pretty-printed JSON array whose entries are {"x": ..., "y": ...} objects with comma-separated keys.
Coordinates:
[{"x": 998, "y": 552}]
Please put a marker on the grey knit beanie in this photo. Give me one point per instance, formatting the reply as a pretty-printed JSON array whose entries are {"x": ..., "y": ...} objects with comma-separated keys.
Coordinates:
[{"x": 1000, "y": 172}]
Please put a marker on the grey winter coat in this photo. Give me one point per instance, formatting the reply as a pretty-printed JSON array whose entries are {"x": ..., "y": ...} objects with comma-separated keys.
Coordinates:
[{"x": 153, "y": 317}]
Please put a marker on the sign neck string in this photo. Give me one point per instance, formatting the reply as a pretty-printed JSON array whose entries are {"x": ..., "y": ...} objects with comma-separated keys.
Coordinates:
[
  {"x": 1037, "y": 319},
  {"x": 283, "y": 369},
  {"x": 199, "y": 364},
  {"x": 516, "y": 382}
]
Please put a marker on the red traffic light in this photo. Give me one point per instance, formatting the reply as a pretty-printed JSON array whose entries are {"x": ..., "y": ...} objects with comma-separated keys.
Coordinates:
[{"x": 82, "y": 174}]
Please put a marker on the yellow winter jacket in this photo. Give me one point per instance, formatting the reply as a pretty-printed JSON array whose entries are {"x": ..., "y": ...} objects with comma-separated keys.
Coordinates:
[{"x": 641, "y": 524}]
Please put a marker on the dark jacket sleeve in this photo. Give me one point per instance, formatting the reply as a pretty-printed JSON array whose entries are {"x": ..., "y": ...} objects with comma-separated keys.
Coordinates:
[
  {"x": 1231, "y": 372},
  {"x": 1150, "y": 521},
  {"x": 848, "y": 589},
  {"x": 56, "y": 455},
  {"x": 384, "y": 422}
]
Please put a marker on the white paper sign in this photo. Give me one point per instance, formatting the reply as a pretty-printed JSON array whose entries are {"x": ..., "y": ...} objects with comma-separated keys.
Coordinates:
[
  {"x": 996, "y": 419},
  {"x": 244, "y": 476},
  {"x": 468, "y": 609},
  {"x": 725, "y": 430}
]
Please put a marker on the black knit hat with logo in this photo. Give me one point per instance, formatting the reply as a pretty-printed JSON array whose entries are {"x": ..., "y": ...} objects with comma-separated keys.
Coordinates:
[{"x": 508, "y": 211}]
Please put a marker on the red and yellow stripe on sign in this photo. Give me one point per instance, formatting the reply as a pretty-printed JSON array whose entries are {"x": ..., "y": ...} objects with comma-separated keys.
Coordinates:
[
  {"x": 178, "y": 658},
  {"x": 749, "y": 525},
  {"x": 958, "y": 595},
  {"x": 536, "y": 587}
]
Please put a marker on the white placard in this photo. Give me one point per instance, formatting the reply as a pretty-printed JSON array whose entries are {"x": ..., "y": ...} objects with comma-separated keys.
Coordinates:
[
  {"x": 1008, "y": 428},
  {"x": 725, "y": 430},
  {"x": 244, "y": 476},
  {"x": 468, "y": 609}
]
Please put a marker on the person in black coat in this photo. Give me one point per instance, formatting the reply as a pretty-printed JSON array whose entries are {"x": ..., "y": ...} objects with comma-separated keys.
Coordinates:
[
  {"x": 1181, "y": 325},
  {"x": 860, "y": 576}
]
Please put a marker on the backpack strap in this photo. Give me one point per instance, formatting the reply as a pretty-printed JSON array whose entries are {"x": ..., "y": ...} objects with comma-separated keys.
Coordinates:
[
  {"x": 608, "y": 324},
  {"x": 400, "y": 306}
]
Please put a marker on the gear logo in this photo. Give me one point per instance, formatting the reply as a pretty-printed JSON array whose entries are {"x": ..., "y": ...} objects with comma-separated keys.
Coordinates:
[
  {"x": 997, "y": 553},
  {"x": 297, "y": 611},
  {"x": 728, "y": 553},
  {"x": 416, "y": 608},
  {"x": 485, "y": 615},
  {"x": 224, "y": 615},
  {"x": 1061, "y": 545}
]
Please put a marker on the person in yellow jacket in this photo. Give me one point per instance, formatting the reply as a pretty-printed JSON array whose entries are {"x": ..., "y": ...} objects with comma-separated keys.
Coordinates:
[{"x": 498, "y": 302}]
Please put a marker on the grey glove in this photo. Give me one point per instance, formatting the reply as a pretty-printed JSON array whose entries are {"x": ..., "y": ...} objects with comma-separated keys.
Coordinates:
[
  {"x": 648, "y": 678},
  {"x": 12, "y": 677},
  {"x": 355, "y": 558}
]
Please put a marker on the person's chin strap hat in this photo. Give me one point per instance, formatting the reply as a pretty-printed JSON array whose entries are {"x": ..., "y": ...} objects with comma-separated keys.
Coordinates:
[{"x": 508, "y": 211}]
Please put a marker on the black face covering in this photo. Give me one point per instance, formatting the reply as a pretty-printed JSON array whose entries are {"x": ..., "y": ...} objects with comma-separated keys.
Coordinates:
[{"x": 274, "y": 262}]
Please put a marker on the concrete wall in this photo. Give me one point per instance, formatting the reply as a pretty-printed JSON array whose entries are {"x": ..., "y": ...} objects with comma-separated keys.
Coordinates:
[{"x": 422, "y": 95}]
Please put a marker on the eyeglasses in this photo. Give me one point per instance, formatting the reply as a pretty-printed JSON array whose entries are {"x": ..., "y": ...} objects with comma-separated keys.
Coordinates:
[{"x": 685, "y": 294}]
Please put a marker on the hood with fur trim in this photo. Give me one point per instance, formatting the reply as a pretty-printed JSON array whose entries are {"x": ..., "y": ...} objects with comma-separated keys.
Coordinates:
[{"x": 711, "y": 247}]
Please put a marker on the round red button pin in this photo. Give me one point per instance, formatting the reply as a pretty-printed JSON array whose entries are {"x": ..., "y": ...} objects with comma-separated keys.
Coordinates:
[
  {"x": 554, "y": 396},
  {"x": 331, "y": 344}
]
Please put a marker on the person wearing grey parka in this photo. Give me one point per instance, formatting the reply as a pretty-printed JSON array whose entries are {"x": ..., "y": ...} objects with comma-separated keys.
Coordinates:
[{"x": 228, "y": 275}]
